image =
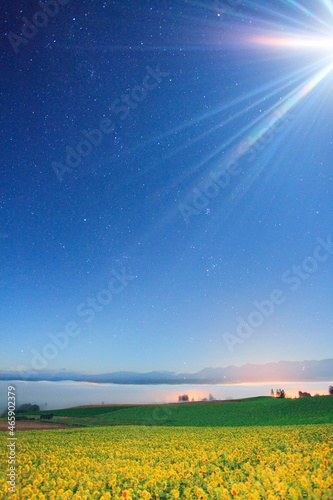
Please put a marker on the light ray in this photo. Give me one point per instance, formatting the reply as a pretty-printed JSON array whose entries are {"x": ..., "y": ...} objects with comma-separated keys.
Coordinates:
[
  {"x": 329, "y": 5},
  {"x": 298, "y": 7},
  {"x": 290, "y": 102},
  {"x": 279, "y": 111},
  {"x": 309, "y": 43}
]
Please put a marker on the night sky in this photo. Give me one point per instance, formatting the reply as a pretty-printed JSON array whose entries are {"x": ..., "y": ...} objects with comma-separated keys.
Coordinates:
[{"x": 166, "y": 184}]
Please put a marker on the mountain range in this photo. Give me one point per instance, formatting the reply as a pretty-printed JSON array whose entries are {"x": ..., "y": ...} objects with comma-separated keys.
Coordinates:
[{"x": 280, "y": 371}]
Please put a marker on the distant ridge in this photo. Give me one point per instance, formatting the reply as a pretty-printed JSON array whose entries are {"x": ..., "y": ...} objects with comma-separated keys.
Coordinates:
[{"x": 280, "y": 371}]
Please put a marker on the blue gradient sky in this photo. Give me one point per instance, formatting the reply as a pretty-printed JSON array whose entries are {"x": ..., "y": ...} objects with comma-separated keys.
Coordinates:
[{"x": 215, "y": 93}]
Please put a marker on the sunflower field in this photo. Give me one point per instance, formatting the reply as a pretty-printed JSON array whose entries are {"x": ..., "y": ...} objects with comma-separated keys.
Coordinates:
[{"x": 131, "y": 462}]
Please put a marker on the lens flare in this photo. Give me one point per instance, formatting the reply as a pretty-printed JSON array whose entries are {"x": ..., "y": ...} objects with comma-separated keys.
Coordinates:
[{"x": 323, "y": 45}]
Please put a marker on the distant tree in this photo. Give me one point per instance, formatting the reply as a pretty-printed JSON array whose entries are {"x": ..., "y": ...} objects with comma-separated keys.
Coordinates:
[
  {"x": 280, "y": 393},
  {"x": 211, "y": 397},
  {"x": 304, "y": 394},
  {"x": 330, "y": 390},
  {"x": 272, "y": 393},
  {"x": 27, "y": 407}
]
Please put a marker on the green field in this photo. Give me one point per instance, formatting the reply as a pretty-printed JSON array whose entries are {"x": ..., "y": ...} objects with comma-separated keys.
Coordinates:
[{"x": 259, "y": 411}]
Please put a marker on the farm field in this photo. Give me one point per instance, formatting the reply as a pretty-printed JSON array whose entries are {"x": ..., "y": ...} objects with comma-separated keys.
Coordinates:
[
  {"x": 243, "y": 412},
  {"x": 255, "y": 448},
  {"x": 142, "y": 462}
]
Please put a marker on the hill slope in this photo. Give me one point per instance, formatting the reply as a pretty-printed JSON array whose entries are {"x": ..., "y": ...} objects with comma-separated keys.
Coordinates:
[{"x": 244, "y": 412}]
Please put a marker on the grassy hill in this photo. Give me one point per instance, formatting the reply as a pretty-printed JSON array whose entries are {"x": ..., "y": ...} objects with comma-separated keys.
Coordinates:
[{"x": 259, "y": 411}]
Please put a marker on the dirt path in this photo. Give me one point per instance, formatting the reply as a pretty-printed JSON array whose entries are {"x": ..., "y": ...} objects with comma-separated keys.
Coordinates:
[{"x": 29, "y": 425}]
